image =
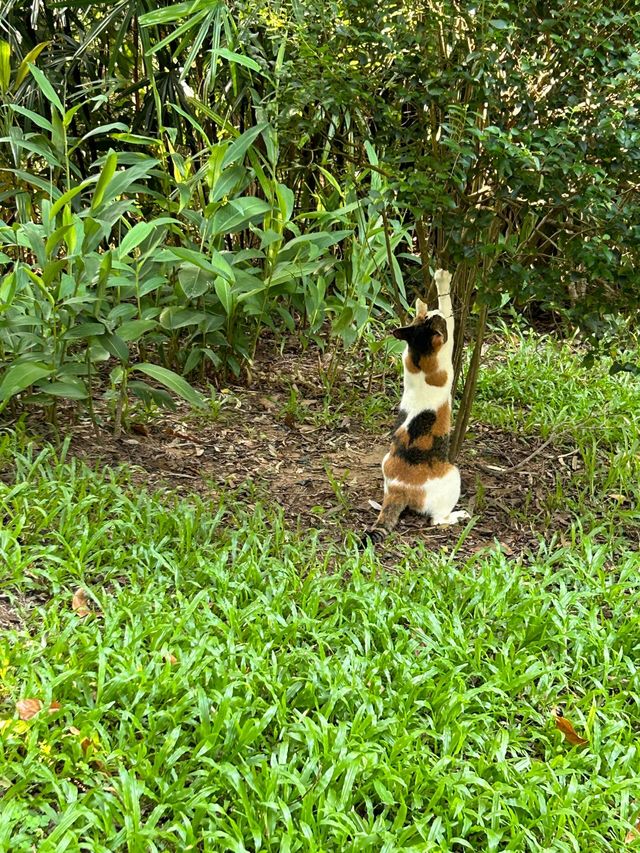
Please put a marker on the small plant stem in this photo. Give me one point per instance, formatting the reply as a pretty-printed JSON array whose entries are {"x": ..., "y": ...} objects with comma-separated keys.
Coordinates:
[
  {"x": 122, "y": 398},
  {"x": 395, "y": 294}
]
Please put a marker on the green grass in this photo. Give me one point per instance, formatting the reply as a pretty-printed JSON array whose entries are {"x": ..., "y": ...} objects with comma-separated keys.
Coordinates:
[
  {"x": 319, "y": 702},
  {"x": 537, "y": 386}
]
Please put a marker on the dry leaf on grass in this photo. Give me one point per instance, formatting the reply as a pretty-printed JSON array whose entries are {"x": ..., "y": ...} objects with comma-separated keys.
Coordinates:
[
  {"x": 80, "y": 603},
  {"x": 567, "y": 729},
  {"x": 28, "y": 708},
  {"x": 633, "y": 834},
  {"x": 172, "y": 659}
]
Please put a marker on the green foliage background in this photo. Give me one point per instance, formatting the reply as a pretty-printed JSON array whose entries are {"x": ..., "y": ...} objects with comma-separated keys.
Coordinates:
[{"x": 176, "y": 178}]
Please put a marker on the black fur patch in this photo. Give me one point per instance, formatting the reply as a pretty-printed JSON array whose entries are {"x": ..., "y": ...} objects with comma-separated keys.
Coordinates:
[
  {"x": 416, "y": 456},
  {"x": 419, "y": 337},
  {"x": 401, "y": 418},
  {"x": 421, "y": 424}
]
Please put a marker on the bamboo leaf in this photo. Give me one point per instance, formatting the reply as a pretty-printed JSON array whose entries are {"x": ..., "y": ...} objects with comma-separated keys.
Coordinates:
[
  {"x": 239, "y": 146},
  {"x": 46, "y": 88},
  {"x": 5, "y": 65},
  {"x": 21, "y": 376},
  {"x": 176, "y": 384},
  {"x": 108, "y": 171},
  {"x": 24, "y": 67},
  {"x": 236, "y": 58}
]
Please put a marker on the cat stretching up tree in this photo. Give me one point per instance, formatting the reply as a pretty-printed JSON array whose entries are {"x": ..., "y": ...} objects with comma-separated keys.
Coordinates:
[{"x": 417, "y": 472}]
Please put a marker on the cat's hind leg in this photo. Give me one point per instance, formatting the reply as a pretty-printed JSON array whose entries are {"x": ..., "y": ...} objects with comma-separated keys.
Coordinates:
[
  {"x": 442, "y": 494},
  {"x": 393, "y": 506}
]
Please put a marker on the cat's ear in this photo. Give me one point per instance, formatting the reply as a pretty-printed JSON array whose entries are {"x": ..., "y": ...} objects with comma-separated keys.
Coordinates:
[
  {"x": 421, "y": 309},
  {"x": 405, "y": 333}
]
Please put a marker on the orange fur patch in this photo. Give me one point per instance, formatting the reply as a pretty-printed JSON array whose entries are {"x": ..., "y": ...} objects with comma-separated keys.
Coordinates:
[{"x": 414, "y": 476}]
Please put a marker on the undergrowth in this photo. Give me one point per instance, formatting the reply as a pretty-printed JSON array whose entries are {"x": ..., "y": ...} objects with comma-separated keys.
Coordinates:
[
  {"x": 229, "y": 692},
  {"x": 237, "y": 687}
]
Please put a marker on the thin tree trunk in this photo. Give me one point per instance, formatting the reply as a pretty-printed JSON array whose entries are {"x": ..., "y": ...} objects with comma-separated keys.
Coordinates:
[
  {"x": 469, "y": 391},
  {"x": 392, "y": 273},
  {"x": 423, "y": 248}
]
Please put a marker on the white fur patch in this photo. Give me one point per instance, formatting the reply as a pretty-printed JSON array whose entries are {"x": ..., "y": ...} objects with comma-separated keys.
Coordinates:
[{"x": 418, "y": 396}]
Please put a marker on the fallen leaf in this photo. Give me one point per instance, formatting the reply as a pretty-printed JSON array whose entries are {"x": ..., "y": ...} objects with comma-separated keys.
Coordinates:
[
  {"x": 375, "y": 505},
  {"x": 28, "y": 708},
  {"x": 79, "y": 603},
  {"x": 172, "y": 659},
  {"x": 54, "y": 706},
  {"x": 567, "y": 729},
  {"x": 140, "y": 429},
  {"x": 633, "y": 834}
]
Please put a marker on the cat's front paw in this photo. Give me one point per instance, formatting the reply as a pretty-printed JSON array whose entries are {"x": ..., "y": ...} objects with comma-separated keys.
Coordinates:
[
  {"x": 373, "y": 535},
  {"x": 442, "y": 279}
]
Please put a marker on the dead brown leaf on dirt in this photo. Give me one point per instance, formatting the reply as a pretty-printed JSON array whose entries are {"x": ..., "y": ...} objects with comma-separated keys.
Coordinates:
[
  {"x": 80, "y": 603},
  {"x": 567, "y": 729}
]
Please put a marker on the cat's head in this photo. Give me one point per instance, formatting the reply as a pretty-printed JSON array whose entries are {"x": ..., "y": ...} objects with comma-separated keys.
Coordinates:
[{"x": 427, "y": 333}]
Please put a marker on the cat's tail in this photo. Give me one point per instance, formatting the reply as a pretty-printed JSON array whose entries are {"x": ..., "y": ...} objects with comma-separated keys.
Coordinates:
[{"x": 392, "y": 509}]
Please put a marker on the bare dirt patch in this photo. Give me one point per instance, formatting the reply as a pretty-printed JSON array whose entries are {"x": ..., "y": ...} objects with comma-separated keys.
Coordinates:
[{"x": 324, "y": 476}]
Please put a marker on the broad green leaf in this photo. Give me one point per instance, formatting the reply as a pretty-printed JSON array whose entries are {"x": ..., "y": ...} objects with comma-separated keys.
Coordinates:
[
  {"x": 53, "y": 241},
  {"x": 114, "y": 345},
  {"x": 40, "y": 121},
  {"x": 34, "y": 53},
  {"x": 140, "y": 232},
  {"x": 166, "y": 15},
  {"x": 221, "y": 266},
  {"x": 20, "y": 376},
  {"x": 133, "y": 330},
  {"x": 108, "y": 171},
  {"x": 237, "y": 58},
  {"x": 228, "y": 181},
  {"x": 176, "y": 384},
  {"x": 194, "y": 280},
  {"x": 71, "y": 389},
  {"x": 134, "y": 237},
  {"x": 286, "y": 201},
  {"x": 65, "y": 198},
  {"x": 237, "y": 214},
  {"x": 5, "y": 65},
  {"x": 83, "y": 331},
  {"x": 224, "y": 294},
  {"x": 8, "y": 286},
  {"x": 46, "y": 88},
  {"x": 104, "y": 129},
  {"x": 240, "y": 146},
  {"x": 175, "y": 317}
]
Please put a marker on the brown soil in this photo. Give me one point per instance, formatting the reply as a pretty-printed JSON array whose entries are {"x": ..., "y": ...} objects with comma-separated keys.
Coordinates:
[{"x": 326, "y": 477}]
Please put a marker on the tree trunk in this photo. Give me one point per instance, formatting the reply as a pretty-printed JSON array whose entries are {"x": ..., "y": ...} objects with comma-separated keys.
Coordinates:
[{"x": 469, "y": 391}]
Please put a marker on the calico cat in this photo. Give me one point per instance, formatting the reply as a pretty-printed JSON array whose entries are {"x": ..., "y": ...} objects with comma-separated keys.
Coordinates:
[{"x": 417, "y": 472}]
